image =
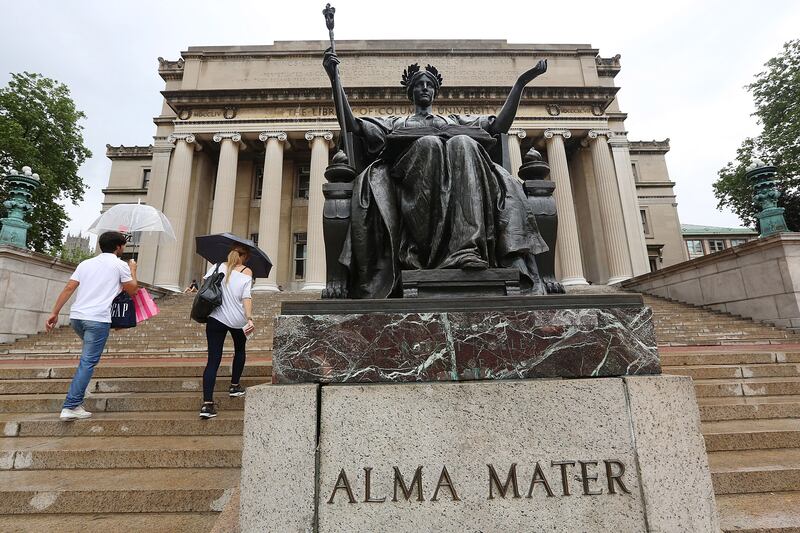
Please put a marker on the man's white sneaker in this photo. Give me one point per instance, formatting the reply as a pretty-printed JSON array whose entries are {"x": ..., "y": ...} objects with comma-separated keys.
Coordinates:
[{"x": 75, "y": 414}]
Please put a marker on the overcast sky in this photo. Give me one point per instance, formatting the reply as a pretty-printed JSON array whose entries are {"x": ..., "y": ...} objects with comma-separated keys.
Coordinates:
[{"x": 684, "y": 63}]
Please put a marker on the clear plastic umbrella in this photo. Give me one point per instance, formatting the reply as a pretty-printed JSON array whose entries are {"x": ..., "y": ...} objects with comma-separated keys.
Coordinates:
[{"x": 133, "y": 220}]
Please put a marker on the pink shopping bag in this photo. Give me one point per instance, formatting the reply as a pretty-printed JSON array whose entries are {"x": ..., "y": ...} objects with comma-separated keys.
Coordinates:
[{"x": 145, "y": 306}]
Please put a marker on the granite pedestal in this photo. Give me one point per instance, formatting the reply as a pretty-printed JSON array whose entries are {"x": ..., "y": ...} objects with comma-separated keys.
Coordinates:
[{"x": 460, "y": 446}]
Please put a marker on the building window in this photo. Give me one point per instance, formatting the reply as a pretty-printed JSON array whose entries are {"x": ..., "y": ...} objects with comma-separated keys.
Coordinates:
[
  {"x": 145, "y": 178},
  {"x": 300, "y": 256},
  {"x": 303, "y": 182},
  {"x": 635, "y": 170},
  {"x": 737, "y": 242},
  {"x": 254, "y": 238},
  {"x": 695, "y": 248},
  {"x": 645, "y": 223},
  {"x": 716, "y": 245},
  {"x": 258, "y": 182}
]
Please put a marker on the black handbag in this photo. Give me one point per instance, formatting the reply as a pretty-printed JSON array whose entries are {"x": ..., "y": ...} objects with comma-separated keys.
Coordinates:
[
  {"x": 123, "y": 311},
  {"x": 209, "y": 297}
]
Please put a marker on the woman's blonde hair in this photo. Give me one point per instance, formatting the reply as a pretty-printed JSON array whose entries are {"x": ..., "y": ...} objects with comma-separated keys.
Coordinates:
[{"x": 235, "y": 257}]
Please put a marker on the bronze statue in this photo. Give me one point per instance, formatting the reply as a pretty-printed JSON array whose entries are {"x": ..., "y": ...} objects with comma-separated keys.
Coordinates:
[
  {"x": 427, "y": 194},
  {"x": 431, "y": 197}
]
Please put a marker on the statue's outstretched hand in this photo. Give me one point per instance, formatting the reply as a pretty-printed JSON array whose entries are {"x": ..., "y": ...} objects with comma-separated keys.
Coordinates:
[
  {"x": 539, "y": 69},
  {"x": 330, "y": 61}
]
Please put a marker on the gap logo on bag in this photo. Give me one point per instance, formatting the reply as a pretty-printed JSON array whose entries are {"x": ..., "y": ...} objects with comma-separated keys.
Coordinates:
[{"x": 123, "y": 311}]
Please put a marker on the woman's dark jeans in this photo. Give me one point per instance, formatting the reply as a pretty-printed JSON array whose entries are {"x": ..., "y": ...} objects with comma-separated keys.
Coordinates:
[{"x": 215, "y": 334}]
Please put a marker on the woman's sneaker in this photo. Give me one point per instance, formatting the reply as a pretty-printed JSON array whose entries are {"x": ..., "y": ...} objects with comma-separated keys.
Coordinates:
[
  {"x": 208, "y": 410},
  {"x": 74, "y": 414},
  {"x": 235, "y": 391}
]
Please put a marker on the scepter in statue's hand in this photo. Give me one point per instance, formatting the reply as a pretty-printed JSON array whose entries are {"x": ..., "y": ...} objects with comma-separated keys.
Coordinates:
[{"x": 328, "y": 13}]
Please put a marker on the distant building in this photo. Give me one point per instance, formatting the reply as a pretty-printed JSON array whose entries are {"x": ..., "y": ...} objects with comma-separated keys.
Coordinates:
[
  {"x": 77, "y": 243},
  {"x": 704, "y": 240}
]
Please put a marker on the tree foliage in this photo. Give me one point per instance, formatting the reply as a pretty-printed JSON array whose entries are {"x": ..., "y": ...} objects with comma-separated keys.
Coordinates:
[
  {"x": 776, "y": 94},
  {"x": 40, "y": 128}
]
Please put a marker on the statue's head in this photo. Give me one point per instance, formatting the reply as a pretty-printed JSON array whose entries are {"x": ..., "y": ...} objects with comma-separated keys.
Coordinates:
[{"x": 413, "y": 75}]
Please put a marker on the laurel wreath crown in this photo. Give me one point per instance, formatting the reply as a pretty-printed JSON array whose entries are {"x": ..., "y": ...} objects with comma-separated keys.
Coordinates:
[{"x": 412, "y": 70}]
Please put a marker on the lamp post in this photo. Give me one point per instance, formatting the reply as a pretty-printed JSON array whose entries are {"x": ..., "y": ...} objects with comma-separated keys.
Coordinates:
[
  {"x": 21, "y": 186},
  {"x": 765, "y": 196}
]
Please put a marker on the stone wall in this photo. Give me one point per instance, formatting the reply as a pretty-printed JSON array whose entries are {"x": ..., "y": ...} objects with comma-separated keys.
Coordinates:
[
  {"x": 759, "y": 279},
  {"x": 30, "y": 282}
]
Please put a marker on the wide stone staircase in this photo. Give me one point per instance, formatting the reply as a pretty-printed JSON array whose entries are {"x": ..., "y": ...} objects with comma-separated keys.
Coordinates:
[{"x": 146, "y": 462}]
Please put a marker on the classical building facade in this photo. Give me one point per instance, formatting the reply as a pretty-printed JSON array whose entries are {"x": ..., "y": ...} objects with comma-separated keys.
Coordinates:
[{"x": 245, "y": 134}]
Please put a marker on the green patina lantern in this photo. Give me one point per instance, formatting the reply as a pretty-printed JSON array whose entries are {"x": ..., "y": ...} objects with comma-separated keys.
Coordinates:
[
  {"x": 765, "y": 196},
  {"x": 21, "y": 186}
]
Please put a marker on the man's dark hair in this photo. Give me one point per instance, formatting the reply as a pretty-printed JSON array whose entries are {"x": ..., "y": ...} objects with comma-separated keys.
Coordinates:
[{"x": 109, "y": 241}]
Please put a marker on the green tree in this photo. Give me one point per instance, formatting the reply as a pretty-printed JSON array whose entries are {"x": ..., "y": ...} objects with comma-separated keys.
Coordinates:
[
  {"x": 776, "y": 93},
  {"x": 39, "y": 127}
]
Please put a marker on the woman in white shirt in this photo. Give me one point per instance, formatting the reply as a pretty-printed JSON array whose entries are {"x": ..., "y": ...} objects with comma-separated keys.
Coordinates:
[{"x": 235, "y": 315}]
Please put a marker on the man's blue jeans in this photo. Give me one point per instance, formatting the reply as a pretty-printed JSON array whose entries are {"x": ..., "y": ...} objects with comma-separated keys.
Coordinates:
[{"x": 94, "y": 336}]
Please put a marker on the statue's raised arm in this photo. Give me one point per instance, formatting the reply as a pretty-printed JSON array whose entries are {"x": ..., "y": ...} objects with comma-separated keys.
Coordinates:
[
  {"x": 330, "y": 63},
  {"x": 509, "y": 110}
]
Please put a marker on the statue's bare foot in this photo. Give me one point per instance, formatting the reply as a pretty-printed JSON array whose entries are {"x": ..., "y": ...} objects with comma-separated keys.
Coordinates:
[
  {"x": 552, "y": 286},
  {"x": 335, "y": 290}
]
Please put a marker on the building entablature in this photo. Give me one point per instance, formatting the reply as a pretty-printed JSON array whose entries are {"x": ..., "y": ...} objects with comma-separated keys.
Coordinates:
[
  {"x": 653, "y": 147},
  {"x": 225, "y": 103},
  {"x": 129, "y": 152},
  {"x": 608, "y": 67}
]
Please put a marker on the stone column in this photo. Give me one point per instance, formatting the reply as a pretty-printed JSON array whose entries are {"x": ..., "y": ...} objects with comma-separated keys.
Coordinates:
[
  {"x": 270, "y": 216},
  {"x": 315, "y": 263},
  {"x": 514, "y": 152},
  {"x": 620, "y": 150},
  {"x": 568, "y": 248},
  {"x": 168, "y": 265},
  {"x": 156, "y": 189},
  {"x": 225, "y": 187},
  {"x": 619, "y": 260}
]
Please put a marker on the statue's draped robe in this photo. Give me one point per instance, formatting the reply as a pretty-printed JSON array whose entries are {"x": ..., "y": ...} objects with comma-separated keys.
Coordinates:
[{"x": 440, "y": 203}]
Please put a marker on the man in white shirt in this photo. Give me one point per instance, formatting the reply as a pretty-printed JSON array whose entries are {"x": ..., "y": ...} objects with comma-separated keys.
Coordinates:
[{"x": 96, "y": 283}]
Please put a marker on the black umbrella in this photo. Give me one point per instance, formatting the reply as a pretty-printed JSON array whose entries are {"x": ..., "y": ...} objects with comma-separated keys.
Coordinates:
[{"x": 215, "y": 249}]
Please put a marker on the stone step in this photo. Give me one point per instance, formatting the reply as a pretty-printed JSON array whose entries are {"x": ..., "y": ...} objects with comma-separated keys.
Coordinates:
[
  {"x": 52, "y": 453},
  {"x": 149, "y": 384},
  {"x": 748, "y": 471},
  {"x": 766, "y": 386},
  {"x": 771, "y": 512},
  {"x": 148, "y": 490},
  {"x": 733, "y": 357},
  {"x": 116, "y": 402},
  {"x": 134, "y": 369},
  {"x": 752, "y": 434},
  {"x": 714, "y": 409},
  {"x": 109, "y": 522},
  {"x": 135, "y": 423},
  {"x": 734, "y": 371},
  {"x": 145, "y": 353}
]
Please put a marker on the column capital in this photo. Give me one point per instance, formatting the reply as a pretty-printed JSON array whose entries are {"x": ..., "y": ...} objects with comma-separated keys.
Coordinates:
[
  {"x": 594, "y": 134},
  {"x": 186, "y": 137},
  {"x": 162, "y": 145},
  {"x": 281, "y": 136},
  {"x": 325, "y": 134},
  {"x": 619, "y": 139},
  {"x": 234, "y": 136},
  {"x": 518, "y": 133},
  {"x": 549, "y": 133}
]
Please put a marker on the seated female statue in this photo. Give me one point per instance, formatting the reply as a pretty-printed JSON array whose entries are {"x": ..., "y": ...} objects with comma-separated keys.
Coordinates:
[{"x": 431, "y": 196}]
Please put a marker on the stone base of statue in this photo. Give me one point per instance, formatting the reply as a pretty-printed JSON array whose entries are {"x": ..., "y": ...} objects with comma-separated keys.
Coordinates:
[{"x": 451, "y": 436}]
